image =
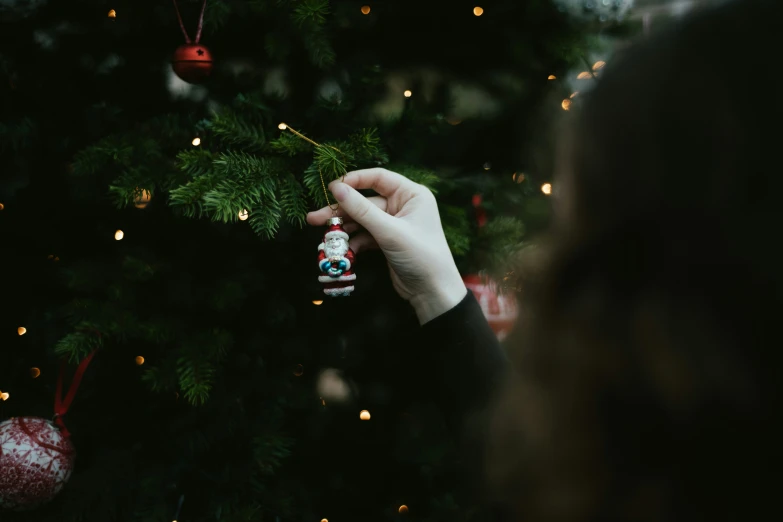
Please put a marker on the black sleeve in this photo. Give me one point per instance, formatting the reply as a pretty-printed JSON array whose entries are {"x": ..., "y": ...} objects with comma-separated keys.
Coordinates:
[
  {"x": 469, "y": 362},
  {"x": 469, "y": 368}
]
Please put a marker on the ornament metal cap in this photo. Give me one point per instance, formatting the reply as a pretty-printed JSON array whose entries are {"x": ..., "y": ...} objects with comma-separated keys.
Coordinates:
[{"x": 334, "y": 221}]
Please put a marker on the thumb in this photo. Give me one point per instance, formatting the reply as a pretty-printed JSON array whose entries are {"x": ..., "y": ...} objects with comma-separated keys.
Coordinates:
[{"x": 358, "y": 207}]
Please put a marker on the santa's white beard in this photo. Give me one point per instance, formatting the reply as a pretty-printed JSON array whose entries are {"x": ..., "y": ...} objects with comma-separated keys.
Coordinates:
[{"x": 337, "y": 251}]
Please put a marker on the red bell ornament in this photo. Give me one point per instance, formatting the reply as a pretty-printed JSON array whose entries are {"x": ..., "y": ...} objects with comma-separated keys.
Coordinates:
[{"x": 192, "y": 62}]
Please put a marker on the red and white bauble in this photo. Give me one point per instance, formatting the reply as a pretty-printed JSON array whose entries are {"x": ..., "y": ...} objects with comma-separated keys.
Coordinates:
[
  {"x": 36, "y": 461},
  {"x": 500, "y": 310}
]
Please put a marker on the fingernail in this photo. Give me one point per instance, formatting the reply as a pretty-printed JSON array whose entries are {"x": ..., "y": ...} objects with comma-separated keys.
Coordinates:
[{"x": 339, "y": 190}]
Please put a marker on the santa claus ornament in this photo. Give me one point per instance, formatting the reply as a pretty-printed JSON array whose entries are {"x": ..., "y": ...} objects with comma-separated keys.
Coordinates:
[
  {"x": 335, "y": 257},
  {"x": 192, "y": 61},
  {"x": 335, "y": 260},
  {"x": 36, "y": 455}
]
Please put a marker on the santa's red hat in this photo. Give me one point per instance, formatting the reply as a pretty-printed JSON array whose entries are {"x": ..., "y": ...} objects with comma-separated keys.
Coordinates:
[{"x": 335, "y": 229}]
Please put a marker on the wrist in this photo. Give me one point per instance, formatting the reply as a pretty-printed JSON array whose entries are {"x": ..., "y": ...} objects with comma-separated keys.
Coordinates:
[{"x": 447, "y": 293}]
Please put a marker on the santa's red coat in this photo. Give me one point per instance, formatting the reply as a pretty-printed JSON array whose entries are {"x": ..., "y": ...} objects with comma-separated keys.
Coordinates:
[{"x": 338, "y": 284}]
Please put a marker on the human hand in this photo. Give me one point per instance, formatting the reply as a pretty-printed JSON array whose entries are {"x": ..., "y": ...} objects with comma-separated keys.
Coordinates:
[{"x": 403, "y": 221}]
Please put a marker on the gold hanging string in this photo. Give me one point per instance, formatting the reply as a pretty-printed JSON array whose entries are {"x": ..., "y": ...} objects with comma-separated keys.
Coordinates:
[{"x": 284, "y": 126}]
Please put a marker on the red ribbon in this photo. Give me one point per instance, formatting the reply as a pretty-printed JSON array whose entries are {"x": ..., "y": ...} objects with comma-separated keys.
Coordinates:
[
  {"x": 200, "y": 22},
  {"x": 61, "y": 406}
]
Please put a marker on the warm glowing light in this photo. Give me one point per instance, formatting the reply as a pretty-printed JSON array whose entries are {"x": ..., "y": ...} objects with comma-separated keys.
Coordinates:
[
  {"x": 139, "y": 360},
  {"x": 478, "y": 11},
  {"x": 143, "y": 198},
  {"x": 318, "y": 303},
  {"x": 112, "y": 13},
  {"x": 551, "y": 77},
  {"x": 299, "y": 370},
  {"x": 21, "y": 330},
  {"x": 366, "y": 9},
  {"x": 118, "y": 235},
  {"x": 196, "y": 141},
  {"x": 2, "y": 206},
  {"x": 408, "y": 94},
  {"x": 599, "y": 65},
  {"x": 566, "y": 105},
  {"x": 584, "y": 75},
  {"x": 546, "y": 188},
  {"x": 323, "y": 402},
  {"x": 282, "y": 126},
  {"x": 243, "y": 215},
  {"x": 487, "y": 165},
  {"x": 35, "y": 372},
  {"x": 5, "y": 396},
  {"x": 573, "y": 95},
  {"x": 519, "y": 177},
  {"x": 324, "y": 520},
  {"x": 364, "y": 415},
  {"x": 403, "y": 509}
]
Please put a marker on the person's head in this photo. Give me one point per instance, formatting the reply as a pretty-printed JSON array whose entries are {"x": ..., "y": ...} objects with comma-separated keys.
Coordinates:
[{"x": 648, "y": 355}]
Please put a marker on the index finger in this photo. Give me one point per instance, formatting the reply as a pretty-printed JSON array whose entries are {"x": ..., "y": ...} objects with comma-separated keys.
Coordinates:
[{"x": 382, "y": 181}]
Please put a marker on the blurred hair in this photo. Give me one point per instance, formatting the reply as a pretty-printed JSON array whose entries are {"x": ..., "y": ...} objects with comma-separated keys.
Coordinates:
[{"x": 648, "y": 356}]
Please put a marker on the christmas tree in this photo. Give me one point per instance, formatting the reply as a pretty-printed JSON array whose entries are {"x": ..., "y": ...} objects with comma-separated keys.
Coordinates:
[{"x": 159, "y": 225}]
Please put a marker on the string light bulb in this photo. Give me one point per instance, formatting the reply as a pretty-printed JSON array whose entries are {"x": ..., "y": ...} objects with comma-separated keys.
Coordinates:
[
  {"x": 366, "y": 9},
  {"x": 487, "y": 165},
  {"x": 408, "y": 93},
  {"x": 324, "y": 520},
  {"x": 35, "y": 372},
  {"x": 318, "y": 302},
  {"x": 364, "y": 415},
  {"x": 299, "y": 370},
  {"x": 573, "y": 95},
  {"x": 21, "y": 330},
  {"x": 566, "y": 105},
  {"x": 118, "y": 235},
  {"x": 584, "y": 75},
  {"x": 282, "y": 126},
  {"x": 112, "y": 14},
  {"x": 478, "y": 11},
  {"x": 243, "y": 215},
  {"x": 5, "y": 396},
  {"x": 142, "y": 198},
  {"x": 519, "y": 177},
  {"x": 546, "y": 188},
  {"x": 551, "y": 77},
  {"x": 139, "y": 360},
  {"x": 600, "y": 64},
  {"x": 196, "y": 141},
  {"x": 2, "y": 206}
]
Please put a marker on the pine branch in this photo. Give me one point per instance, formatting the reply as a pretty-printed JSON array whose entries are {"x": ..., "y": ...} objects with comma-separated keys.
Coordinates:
[
  {"x": 320, "y": 49},
  {"x": 290, "y": 145},
  {"x": 195, "y": 162},
  {"x": 292, "y": 200},
  {"x": 457, "y": 229},
  {"x": 234, "y": 130},
  {"x": 312, "y": 181},
  {"x": 188, "y": 198},
  {"x": 420, "y": 175},
  {"x": 265, "y": 220},
  {"x": 311, "y": 12},
  {"x": 331, "y": 163},
  {"x": 79, "y": 344},
  {"x": 196, "y": 378}
]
